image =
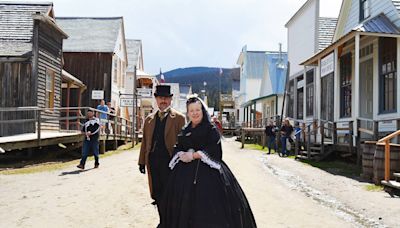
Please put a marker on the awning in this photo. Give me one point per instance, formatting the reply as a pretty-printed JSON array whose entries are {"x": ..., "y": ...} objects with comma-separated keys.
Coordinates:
[
  {"x": 250, "y": 102},
  {"x": 69, "y": 78},
  {"x": 379, "y": 26}
]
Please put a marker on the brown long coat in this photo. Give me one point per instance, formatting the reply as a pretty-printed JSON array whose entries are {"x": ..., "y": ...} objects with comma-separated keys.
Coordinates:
[{"x": 175, "y": 122}]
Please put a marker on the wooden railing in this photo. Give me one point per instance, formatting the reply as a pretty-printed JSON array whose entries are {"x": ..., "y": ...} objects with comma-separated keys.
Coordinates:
[
  {"x": 64, "y": 120},
  {"x": 386, "y": 140}
]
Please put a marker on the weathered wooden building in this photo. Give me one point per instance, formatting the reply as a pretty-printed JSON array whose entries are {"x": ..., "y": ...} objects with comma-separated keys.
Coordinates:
[
  {"x": 96, "y": 54},
  {"x": 30, "y": 64}
]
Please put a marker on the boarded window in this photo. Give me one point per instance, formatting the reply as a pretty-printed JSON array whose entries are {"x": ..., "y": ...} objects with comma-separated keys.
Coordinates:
[
  {"x": 388, "y": 75},
  {"x": 345, "y": 85},
  {"x": 49, "y": 88}
]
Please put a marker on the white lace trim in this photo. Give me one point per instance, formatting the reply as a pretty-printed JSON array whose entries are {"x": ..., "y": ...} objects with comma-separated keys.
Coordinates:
[
  {"x": 174, "y": 160},
  {"x": 206, "y": 159}
]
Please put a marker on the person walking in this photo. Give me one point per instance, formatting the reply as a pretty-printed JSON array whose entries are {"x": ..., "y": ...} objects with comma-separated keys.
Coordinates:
[
  {"x": 160, "y": 132},
  {"x": 286, "y": 131},
  {"x": 91, "y": 142},
  {"x": 271, "y": 135}
]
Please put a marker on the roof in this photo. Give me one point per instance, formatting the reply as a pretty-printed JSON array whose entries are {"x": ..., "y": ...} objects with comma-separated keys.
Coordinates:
[
  {"x": 133, "y": 47},
  {"x": 70, "y": 78},
  {"x": 16, "y": 27},
  {"x": 297, "y": 12},
  {"x": 326, "y": 31},
  {"x": 256, "y": 64},
  {"x": 90, "y": 34},
  {"x": 378, "y": 24},
  {"x": 396, "y": 4}
]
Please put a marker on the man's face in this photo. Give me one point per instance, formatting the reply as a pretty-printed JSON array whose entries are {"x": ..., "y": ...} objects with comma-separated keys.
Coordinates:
[
  {"x": 109, "y": 104},
  {"x": 89, "y": 114},
  {"x": 163, "y": 102},
  {"x": 102, "y": 102}
]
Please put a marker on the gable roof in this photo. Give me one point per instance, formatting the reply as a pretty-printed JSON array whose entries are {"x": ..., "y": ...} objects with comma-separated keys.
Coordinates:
[
  {"x": 276, "y": 72},
  {"x": 133, "y": 48},
  {"x": 16, "y": 27},
  {"x": 90, "y": 34},
  {"x": 326, "y": 31}
]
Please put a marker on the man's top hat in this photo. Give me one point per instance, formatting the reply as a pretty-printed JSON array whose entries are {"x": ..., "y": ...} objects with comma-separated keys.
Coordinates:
[{"x": 163, "y": 91}]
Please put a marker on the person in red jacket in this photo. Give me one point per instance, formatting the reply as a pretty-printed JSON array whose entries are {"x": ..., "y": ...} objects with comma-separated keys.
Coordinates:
[{"x": 217, "y": 124}]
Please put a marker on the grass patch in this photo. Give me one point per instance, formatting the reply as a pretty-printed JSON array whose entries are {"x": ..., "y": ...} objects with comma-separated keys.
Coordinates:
[
  {"x": 336, "y": 167},
  {"x": 257, "y": 147},
  {"x": 373, "y": 188},
  {"x": 51, "y": 166}
]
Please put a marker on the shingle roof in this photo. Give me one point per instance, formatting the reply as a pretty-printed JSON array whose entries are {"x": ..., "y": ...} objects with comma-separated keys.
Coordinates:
[
  {"x": 133, "y": 49},
  {"x": 326, "y": 31},
  {"x": 16, "y": 27},
  {"x": 378, "y": 24},
  {"x": 90, "y": 34}
]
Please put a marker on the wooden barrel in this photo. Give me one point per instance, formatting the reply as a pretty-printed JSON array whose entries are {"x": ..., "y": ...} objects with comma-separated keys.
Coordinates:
[
  {"x": 379, "y": 162},
  {"x": 368, "y": 151}
]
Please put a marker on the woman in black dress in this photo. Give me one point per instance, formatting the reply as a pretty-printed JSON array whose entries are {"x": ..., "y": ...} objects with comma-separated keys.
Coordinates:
[{"x": 202, "y": 191}]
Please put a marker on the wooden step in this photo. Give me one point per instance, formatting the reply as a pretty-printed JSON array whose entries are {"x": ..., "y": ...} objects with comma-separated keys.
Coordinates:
[
  {"x": 391, "y": 183},
  {"x": 396, "y": 174},
  {"x": 304, "y": 152}
]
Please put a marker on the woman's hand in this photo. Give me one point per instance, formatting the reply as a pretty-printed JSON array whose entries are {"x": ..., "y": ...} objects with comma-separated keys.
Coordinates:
[{"x": 186, "y": 157}]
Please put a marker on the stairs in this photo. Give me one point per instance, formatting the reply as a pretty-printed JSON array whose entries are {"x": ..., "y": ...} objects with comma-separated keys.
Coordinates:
[
  {"x": 317, "y": 152},
  {"x": 395, "y": 184}
]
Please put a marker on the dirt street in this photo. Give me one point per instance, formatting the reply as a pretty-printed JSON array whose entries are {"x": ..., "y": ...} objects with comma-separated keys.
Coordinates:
[{"x": 281, "y": 192}]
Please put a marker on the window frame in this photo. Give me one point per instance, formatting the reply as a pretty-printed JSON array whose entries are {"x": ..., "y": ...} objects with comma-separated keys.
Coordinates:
[
  {"x": 50, "y": 92},
  {"x": 346, "y": 85},
  {"x": 310, "y": 93},
  {"x": 364, "y": 10},
  {"x": 387, "y": 52}
]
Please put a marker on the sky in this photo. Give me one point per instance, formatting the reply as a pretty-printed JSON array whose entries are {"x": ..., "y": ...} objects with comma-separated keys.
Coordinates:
[{"x": 188, "y": 33}]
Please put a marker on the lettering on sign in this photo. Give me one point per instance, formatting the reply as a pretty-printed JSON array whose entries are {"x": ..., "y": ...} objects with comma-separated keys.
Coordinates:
[
  {"x": 97, "y": 94},
  {"x": 327, "y": 64}
]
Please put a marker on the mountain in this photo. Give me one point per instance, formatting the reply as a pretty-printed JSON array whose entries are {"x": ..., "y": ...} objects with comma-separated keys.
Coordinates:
[{"x": 196, "y": 76}]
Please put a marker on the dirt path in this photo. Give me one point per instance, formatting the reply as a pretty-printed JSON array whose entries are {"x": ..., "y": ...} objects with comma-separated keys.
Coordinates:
[{"x": 116, "y": 195}]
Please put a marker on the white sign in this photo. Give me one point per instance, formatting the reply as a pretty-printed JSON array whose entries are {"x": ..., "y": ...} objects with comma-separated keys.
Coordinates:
[
  {"x": 387, "y": 126},
  {"x": 97, "y": 94},
  {"x": 128, "y": 102},
  {"x": 327, "y": 65}
]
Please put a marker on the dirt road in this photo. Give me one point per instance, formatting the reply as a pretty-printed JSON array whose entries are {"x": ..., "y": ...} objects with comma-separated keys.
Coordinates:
[{"x": 116, "y": 195}]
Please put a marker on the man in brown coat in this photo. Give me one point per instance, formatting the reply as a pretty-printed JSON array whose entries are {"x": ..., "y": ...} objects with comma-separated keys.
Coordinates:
[{"x": 160, "y": 132}]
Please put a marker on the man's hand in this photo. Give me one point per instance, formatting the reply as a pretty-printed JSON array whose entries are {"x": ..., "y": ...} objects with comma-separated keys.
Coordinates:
[
  {"x": 186, "y": 157},
  {"x": 142, "y": 169}
]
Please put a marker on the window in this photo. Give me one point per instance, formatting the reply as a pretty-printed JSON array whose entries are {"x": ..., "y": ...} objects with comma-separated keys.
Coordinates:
[
  {"x": 387, "y": 75},
  {"x": 290, "y": 97},
  {"x": 300, "y": 102},
  {"x": 115, "y": 68},
  {"x": 310, "y": 93},
  {"x": 49, "y": 88},
  {"x": 364, "y": 9},
  {"x": 345, "y": 85}
]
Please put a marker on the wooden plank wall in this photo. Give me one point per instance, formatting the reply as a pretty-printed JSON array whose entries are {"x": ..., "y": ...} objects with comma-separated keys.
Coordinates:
[
  {"x": 17, "y": 89},
  {"x": 94, "y": 70},
  {"x": 49, "y": 58}
]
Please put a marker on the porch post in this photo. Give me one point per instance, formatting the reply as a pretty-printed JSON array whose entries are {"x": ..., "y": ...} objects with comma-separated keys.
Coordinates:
[
  {"x": 336, "y": 87},
  {"x": 398, "y": 79},
  {"x": 355, "y": 101}
]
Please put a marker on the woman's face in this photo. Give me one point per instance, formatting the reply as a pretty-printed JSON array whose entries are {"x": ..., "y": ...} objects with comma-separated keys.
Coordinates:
[{"x": 194, "y": 112}]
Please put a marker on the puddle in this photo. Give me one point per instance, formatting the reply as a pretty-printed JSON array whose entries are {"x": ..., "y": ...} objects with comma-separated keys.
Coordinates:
[{"x": 296, "y": 183}]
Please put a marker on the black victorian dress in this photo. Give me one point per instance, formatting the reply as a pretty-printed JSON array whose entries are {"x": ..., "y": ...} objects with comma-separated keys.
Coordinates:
[{"x": 203, "y": 193}]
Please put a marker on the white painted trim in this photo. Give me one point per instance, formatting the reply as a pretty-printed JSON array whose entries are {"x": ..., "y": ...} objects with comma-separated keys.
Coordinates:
[
  {"x": 355, "y": 110},
  {"x": 398, "y": 78},
  {"x": 336, "y": 88}
]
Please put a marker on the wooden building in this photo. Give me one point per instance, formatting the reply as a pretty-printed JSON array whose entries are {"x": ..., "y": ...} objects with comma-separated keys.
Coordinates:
[
  {"x": 30, "y": 64},
  {"x": 96, "y": 54}
]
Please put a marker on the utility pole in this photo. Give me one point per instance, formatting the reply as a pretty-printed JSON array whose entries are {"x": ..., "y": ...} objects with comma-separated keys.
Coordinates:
[{"x": 133, "y": 133}]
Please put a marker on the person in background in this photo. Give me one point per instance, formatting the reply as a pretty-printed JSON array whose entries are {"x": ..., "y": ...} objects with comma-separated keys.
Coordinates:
[
  {"x": 286, "y": 131},
  {"x": 218, "y": 124},
  {"x": 110, "y": 126},
  {"x": 91, "y": 142},
  {"x": 102, "y": 116},
  {"x": 271, "y": 135}
]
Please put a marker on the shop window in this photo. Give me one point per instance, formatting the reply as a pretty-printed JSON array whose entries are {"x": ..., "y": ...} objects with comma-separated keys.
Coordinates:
[
  {"x": 310, "y": 93},
  {"x": 387, "y": 75},
  {"x": 345, "y": 85}
]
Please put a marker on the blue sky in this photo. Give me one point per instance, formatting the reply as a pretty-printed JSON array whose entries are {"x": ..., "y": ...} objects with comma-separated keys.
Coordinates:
[{"x": 185, "y": 33}]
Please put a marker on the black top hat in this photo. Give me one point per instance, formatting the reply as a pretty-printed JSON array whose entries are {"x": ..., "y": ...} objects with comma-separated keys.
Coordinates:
[{"x": 163, "y": 91}]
